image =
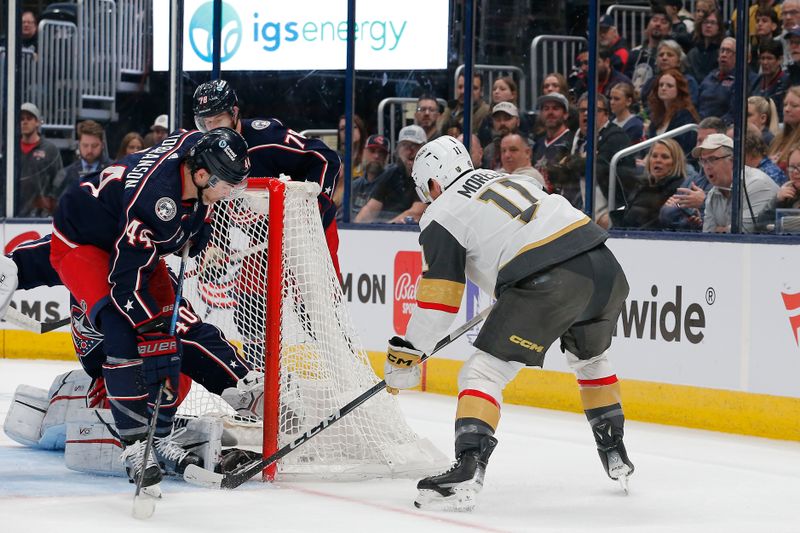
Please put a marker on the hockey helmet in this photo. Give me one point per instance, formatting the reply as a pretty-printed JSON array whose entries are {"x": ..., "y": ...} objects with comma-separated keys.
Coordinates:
[
  {"x": 212, "y": 98},
  {"x": 223, "y": 152},
  {"x": 443, "y": 160}
]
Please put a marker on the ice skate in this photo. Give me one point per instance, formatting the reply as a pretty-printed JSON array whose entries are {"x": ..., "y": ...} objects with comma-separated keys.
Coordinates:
[
  {"x": 613, "y": 455},
  {"x": 172, "y": 456},
  {"x": 457, "y": 488},
  {"x": 133, "y": 459}
]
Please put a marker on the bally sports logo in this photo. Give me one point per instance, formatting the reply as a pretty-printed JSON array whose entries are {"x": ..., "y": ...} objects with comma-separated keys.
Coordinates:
[
  {"x": 792, "y": 304},
  {"x": 407, "y": 272}
]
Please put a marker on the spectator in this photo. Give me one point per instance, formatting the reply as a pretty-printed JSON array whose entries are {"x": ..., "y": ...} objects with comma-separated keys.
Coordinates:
[
  {"x": 504, "y": 89},
  {"x": 40, "y": 164},
  {"x": 671, "y": 107},
  {"x": 427, "y": 115},
  {"x": 685, "y": 209},
  {"x": 701, "y": 9},
  {"x": 359, "y": 140},
  {"x": 555, "y": 143},
  {"x": 767, "y": 30},
  {"x": 453, "y": 116},
  {"x": 553, "y": 83},
  {"x": 755, "y": 155},
  {"x": 578, "y": 75},
  {"x": 716, "y": 157},
  {"x": 610, "y": 38},
  {"x": 607, "y": 77},
  {"x": 475, "y": 150},
  {"x": 763, "y": 114},
  {"x": 679, "y": 31},
  {"x": 790, "y": 17},
  {"x": 394, "y": 197},
  {"x": 665, "y": 170},
  {"x": 620, "y": 103},
  {"x": 376, "y": 152},
  {"x": 642, "y": 62},
  {"x": 91, "y": 145},
  {"x": 773, "y": 81},
  {"x": 29, "y": 31},
  {"x": 792, "y": 40},
  {"x": 516, "y": 157},
  {"x": 787, "y": 196},
  {"x": 704, "y": 55},
  {"x": 716, "y": 90},
  {"x": 158, "y": 131},
  {"x": 670, "y": 56},
  {"x": 789, "y": 137},
  {"x": 505, "y": 120},
  {"x": 131, "y": 143}
]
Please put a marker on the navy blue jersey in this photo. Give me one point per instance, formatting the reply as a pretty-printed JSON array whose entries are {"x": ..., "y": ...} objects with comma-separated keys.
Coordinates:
[
  {"x": 134, "y": 211},
  {"x": 276, "y": 149}
]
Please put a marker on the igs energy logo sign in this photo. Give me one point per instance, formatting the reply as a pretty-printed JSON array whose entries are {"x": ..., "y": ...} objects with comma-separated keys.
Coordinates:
[{"x": 407, "y": 272}]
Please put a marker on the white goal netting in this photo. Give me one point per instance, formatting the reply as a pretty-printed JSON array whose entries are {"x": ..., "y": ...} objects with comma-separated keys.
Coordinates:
[{"x": 322, "y": 362}]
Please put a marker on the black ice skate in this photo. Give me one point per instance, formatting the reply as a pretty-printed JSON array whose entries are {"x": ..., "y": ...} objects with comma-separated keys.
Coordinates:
[
  {"x": 456, "y": 489},
  {"x": 613, "y": 455},
  {"x": 133, "y": 459},
  {"x": 173, "y": 457}
]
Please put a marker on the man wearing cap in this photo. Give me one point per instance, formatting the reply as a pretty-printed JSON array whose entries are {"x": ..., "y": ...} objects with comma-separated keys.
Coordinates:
[
  {"x": 716, "y": 156},
  {"x": 373, "y": 162},
  {"x": 611, "y": 39},
  {"x": 158, "y": 131},
  {"x": 790, "y": 18},
  {"x": 715, "y": 96},
  {"x": 505, "y": 120},
  {"x": 427, "y": 115},
  {"x": 394, "y": 197},
  {"x": 556, "y": 142},
  {"x": 792, "y": 40},
  {"x": 40, "y": 164}
]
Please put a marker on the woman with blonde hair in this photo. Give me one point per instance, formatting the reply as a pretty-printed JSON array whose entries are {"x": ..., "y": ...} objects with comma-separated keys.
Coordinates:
[
  {"x": 132, "y": 142},
  {"x": 621, "y": 101},
  {"x": 789, "y": 138},
  {"x": 763, "y": 114},
  {"x": 666, "y": 170},
  {"x": 671, "y": 107}
]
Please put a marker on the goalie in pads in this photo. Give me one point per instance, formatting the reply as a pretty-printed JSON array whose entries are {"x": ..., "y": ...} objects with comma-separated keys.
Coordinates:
[{"x": 553, "y": 277}]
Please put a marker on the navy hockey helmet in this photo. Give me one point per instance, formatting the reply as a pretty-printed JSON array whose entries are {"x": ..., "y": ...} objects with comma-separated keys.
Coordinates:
[
  {"x": 223, "y": 152},
  {"x": 212, "y": 98}
]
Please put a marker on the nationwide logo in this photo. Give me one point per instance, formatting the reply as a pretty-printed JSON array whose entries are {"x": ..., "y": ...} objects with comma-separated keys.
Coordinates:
[
  {"x": 201, "y": 32},
  {"x": 407, "y": 272},
  {"x": 792, "y": 304}
]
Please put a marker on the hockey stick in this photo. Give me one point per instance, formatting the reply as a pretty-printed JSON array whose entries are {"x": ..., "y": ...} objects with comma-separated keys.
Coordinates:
[
  {"x": 234, "y": 257},
  {"x": 144, "y": 507},
  {"x": 204, "y": 478},
  {"x": 14, "y": 316}
]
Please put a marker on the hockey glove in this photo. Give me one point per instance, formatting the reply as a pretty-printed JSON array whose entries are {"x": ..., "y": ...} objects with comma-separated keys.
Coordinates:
[
  {"x": 401, "y": 370},
  {"x": 161, "y": 355}
]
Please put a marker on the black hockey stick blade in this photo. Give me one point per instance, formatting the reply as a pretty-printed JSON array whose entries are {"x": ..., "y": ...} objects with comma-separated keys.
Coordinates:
[
  {"x": 233, "y": 479},
  {"x": 50, "y": 326}
]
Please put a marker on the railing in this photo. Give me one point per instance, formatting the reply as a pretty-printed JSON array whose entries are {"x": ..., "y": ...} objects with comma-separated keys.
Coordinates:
[
  {"x": 612, "y": 171},
  {"x": 496, "y": 71},
  {"x": 558, "y": 56},
  {"x": 133, "y": 28},
  {"x": 55, "y": 89},
  {"x": 97, "y": 58},
  {"x": 328, "y": 136},
  {"x": 392, "y": 103},
  {"x": 631, "y": 22}
]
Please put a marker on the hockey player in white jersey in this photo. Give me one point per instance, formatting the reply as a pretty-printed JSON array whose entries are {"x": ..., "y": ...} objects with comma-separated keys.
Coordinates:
[{"x": 553, "y": 277}]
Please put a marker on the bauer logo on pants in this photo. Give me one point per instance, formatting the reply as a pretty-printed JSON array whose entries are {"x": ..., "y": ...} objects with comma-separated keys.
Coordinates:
[{"x": 407, "y": 273}]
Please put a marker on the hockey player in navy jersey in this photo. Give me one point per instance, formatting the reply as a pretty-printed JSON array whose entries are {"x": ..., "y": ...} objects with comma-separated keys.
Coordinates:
[
  {"x": 274, "y": 149},
  {"x": 110, "y": 232},
  {"x": 553, "y": 278}
]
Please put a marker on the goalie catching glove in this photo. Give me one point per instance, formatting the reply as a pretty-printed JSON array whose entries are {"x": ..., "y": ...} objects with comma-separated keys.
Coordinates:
[{"x": 401, "y": 370}]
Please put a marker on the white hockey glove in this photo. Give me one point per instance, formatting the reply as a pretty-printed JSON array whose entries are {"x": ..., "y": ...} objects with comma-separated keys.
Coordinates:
[
  {"x": 8, "y": 282},
  {"x": 401, "y": 370}
]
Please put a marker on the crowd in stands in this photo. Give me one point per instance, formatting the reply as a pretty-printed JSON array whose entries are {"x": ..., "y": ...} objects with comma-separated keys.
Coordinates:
[{"x": 683, "y": 73}]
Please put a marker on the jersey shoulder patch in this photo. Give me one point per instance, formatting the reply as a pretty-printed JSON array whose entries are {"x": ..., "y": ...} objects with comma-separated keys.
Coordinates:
[
  {"x": 166, "y": 208},
  {"x": 260, "y": 124}
]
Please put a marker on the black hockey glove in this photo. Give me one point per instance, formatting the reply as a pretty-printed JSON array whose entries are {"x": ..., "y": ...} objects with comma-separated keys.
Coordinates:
[{"x": 161, "y": 355}]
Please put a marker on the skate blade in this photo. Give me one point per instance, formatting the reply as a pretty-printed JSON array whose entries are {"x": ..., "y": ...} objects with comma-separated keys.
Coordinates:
[
  {"x": 144, "y": 505},
  {"x": 623, "y": 482},
  {"x": 461, "y": 501}
]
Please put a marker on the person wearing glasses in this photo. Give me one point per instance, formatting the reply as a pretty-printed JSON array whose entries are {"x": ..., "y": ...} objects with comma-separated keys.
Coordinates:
[
  {"x": 708, "y": 34},
  {"x": 716, "y": 90},
  {"x": 788, "y": 195},
  {"x": 716, "y": 156},
  {"x": 427, "y": 115},
  {"x": 790, "y": 18}
]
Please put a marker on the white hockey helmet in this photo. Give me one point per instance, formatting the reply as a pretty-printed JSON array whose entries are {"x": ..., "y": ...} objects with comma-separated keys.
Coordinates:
[{"x": 444, "y": 160}]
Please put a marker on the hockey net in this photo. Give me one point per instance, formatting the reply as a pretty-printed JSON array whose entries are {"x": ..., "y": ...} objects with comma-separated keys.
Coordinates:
[{"x": 294, "y": 324}]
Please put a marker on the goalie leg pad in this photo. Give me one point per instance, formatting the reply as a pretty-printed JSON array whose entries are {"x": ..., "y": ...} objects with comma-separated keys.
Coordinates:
[
  {"x": 93, "y": 444},
  {"x": 23, "y": 422},
  {"x": 8, "y": 282},
  {"x": 67, "y": 398},
  {"x": 201, "y": 436}
]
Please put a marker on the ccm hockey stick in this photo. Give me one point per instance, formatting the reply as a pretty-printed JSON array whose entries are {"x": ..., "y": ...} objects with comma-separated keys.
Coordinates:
[
  {"x": 14, "y": 316},
  {"x": 205, "y": 478},
  {"x": 144, "y": 504}
]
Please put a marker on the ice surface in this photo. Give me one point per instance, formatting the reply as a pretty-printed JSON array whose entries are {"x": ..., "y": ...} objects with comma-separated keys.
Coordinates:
[{"x": 544, "y": 476}]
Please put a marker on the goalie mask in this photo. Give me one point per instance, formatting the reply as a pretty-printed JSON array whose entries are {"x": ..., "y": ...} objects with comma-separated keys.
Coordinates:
[
  {"x": 212, "y": 98},
  {"x": 443, "y": 160},
  {"x": 223, "y": 152}
]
